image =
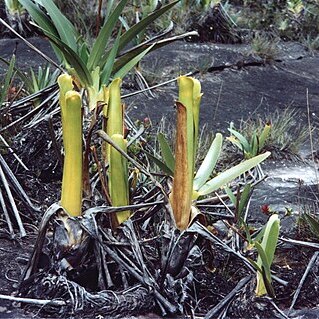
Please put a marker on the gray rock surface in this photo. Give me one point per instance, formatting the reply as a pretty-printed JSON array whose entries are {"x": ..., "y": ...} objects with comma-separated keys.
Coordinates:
[
  {"x": 237, "y": 85},
  {"x": 245, "y": 87}
]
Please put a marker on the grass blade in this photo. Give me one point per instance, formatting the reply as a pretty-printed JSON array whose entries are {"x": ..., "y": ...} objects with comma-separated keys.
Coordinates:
[{"x": 7, "y": 80}]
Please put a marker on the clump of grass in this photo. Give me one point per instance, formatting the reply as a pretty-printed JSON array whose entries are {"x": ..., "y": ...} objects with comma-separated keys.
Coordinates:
[
  {"x": 312, "y": 43},
  {"x": 287, "y": 133},
  {"x": 265, "y": 46}
]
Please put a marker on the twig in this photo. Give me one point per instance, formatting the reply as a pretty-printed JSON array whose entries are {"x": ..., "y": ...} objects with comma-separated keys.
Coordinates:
[
  {"x": 41, "y": 302},
  {"x": 13, "y": 153},
  {"x": 299, "y": 242},
  {"x": 31, "y": 46},
  {"x": 16, "y": 185},
  {"x": 134, "y": 271},
  {"x": 278, "y": 309},
  {"x": 6, "y": 215},
  {"x": 153, "y": 87},
  {"x": 218, "y": 100},
  {"x": 225, "y": 205},
  {"x": 12, "y": 202},
  {"x": 297, "y": 292},
  {"x": 136, "y": 136},
  {"x": 34, "y": 259},
  {"x": 101, "y": 176},
  {"x": 56, "y": 147},
  {"x": 214, "y": 311},
  {"x": 32, "y": 112},
  {"x": 110, "y": 209}
]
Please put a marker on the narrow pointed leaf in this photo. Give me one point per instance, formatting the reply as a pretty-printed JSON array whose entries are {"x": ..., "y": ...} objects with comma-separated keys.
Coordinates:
[
  {"x": 266, "y": 252},
  {"x": 235, "y": 141},
  {"x": 108, "y": 67},
  {"x": 313, "y": 223},
  {"x": 270, "y": 237},
  {"x": 244, "y": 197},
  {"x": 73, "y": 59},
  {"x": 39, "y": 16},
  {"x": 231, "y": 195},
  {"x": 264, "y": 262},
  {"x": 254, "y": 145},
  {"x": 264, "y": 135},
  {"x": 241, "y": 139},
  {"x": 254, "y": 264},
  {"x": 130, "y": 54},
  {"x": 162, "y": 166},
  {"x": 166, "y": 152},
  {"x": 265, "y": 275},
  {"x": 137, "y": 28},
  {"x": 104, "y": 36},
  {"x": 66, "y": 30},
  {"x": 129, "y": 66},
  {"x": 209, "y": 162},
  {"x": 232, "y": 173}
]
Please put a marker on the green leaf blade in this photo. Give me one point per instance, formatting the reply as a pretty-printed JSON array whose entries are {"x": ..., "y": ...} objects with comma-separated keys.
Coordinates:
[
  {"x": 232, "y": 173},
  {"x": 242, "y": 139},
  {"x": 167, "y": 153},
  {"x": 64, "y": 27},
  {"x": 128, "y": 66},
  {"x": 104, "y": 36},
  {"x": 209, "y": 162},
  {"x": 137, "y": 28}
]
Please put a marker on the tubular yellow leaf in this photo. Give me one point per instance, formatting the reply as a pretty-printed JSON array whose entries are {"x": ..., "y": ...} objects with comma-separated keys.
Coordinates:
[
  {"x": 186, "y": 88},
  {"x": 65, "y": 85},
  {"x": 114, "y": 117},
  {"x": 115, "y": 109},
  {"x": 118, "y": 178},
  {"x": 197, "y": 95},
  {"x": 106, "y": 94},
  {"x": 71, "y": 195},
  {"x": 182, "y": 187},
  {"x": 105, "y": 146}
]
